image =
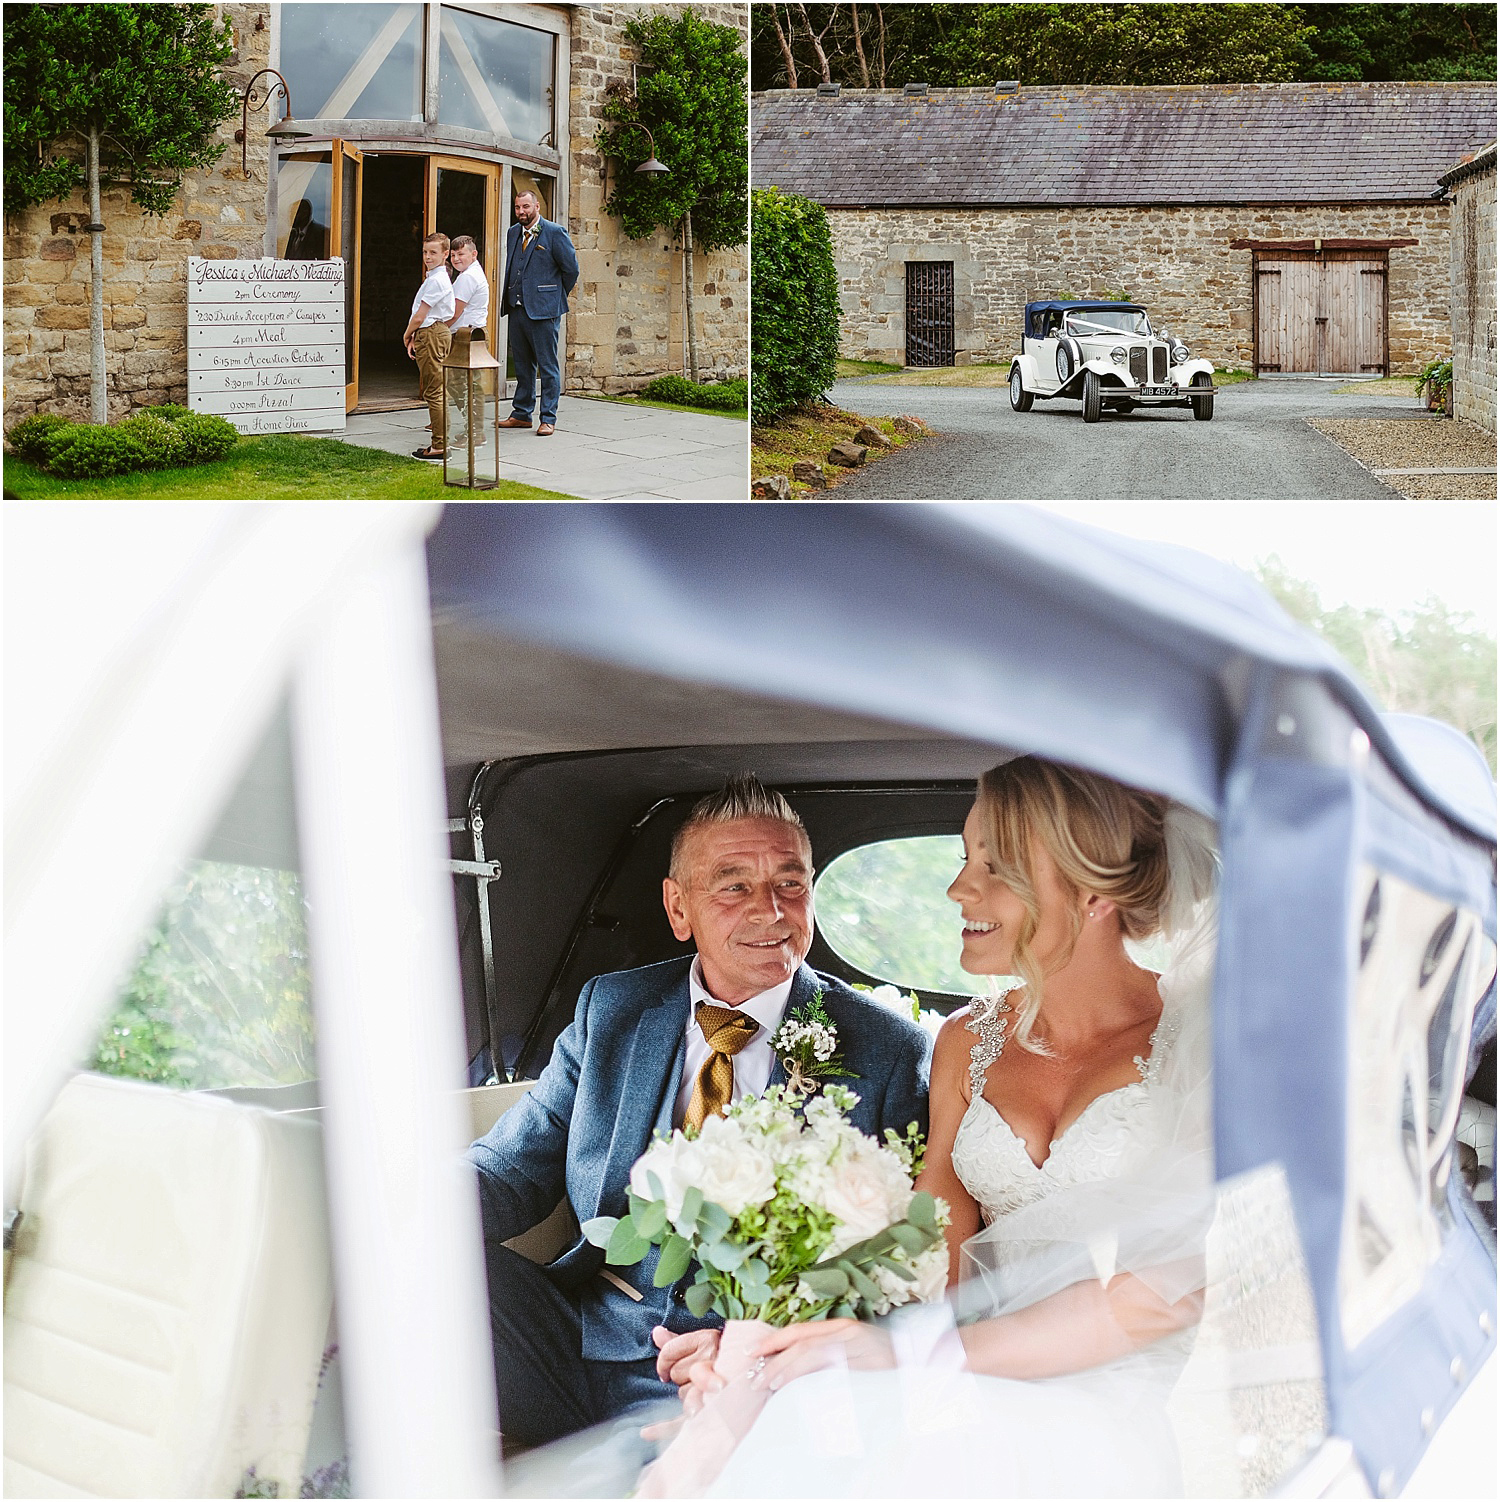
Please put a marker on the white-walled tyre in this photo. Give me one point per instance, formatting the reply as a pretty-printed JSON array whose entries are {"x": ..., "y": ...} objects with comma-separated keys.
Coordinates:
[
  {"x": 1093, "y": 397},
  {"x": 1203, "y": 406},
  {"x": 1020, "y": 398}
]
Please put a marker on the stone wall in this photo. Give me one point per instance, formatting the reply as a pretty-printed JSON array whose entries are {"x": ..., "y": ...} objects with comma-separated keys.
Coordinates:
[
  {"x": 47, "y": 273},
  {"x": 1176, "y": 261},
  {"x": 1473, "y": 265},
  {"x": 625, "y": 326},
  {"x": 625, "y": 323}
]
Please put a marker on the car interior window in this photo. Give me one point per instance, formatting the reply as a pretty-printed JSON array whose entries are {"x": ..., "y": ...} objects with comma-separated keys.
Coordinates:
[
  {"x": 883, "y": 909},
  {"x": 219, "y": 996}
]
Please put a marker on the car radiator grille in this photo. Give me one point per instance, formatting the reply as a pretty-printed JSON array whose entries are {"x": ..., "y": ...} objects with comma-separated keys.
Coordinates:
[
  {"x": 1138, "y": 365},
  {"x": 1158, "y": 364}
]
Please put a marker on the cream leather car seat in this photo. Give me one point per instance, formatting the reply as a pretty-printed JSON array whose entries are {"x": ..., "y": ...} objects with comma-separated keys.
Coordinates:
[{"x": 168, "y": 1299}]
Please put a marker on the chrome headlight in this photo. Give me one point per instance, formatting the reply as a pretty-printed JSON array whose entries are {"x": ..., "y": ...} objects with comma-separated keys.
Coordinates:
[
  {"x": 1117, "y": 354},
  {"x": 1179, "y": 352}
]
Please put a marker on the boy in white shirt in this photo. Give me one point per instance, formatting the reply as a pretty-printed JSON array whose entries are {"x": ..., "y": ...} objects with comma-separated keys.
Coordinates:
[
  {"x": 428, "y": 339},
  {"x": 471, "y": 305}
]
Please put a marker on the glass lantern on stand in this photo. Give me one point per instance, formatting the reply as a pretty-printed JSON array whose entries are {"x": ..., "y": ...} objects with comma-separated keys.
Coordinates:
[{"x": 471, "y": 397}]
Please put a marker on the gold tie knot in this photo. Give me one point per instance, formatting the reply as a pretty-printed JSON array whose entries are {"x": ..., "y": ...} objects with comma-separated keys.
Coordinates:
[{"x": 726, "y": 1030}]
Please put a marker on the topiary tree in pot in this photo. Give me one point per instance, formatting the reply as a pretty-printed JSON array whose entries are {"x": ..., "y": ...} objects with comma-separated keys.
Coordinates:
[{"x": 138, "y": 87}]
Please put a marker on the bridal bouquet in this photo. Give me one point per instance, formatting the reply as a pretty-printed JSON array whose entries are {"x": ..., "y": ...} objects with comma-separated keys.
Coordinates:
[{"x": 790, "y": 1214}]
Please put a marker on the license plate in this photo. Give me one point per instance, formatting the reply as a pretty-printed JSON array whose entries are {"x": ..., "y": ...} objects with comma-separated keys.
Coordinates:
[{"x": 1159, "y": 391}]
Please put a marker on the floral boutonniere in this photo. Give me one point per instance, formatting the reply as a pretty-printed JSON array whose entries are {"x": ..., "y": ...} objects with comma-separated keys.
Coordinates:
[{"x": 807, "y": 1045}]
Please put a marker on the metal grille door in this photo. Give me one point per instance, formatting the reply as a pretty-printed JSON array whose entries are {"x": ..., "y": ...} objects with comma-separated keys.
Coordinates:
[{"x": 929, "y": 313}]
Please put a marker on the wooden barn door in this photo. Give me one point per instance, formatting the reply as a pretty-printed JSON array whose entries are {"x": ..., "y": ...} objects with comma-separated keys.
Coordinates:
[
  {"x": 929, "y": 313},
  {"x": 1320, "y": 314}
]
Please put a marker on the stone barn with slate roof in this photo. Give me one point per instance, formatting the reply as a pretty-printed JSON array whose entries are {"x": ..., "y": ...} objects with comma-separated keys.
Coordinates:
[
  {"x": 1295, "y": 228},
  {"x": 1471, "y": 185}
]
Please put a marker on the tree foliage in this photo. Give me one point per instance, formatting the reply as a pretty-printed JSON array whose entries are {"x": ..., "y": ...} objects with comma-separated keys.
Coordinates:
[
  {"x": 1402, "y": 42},
  {"x": 794, "y": 304},
  {"x": 221, "y": 994},
  {"x": 957, "y": 45},
  {"x": 146, "y": 77},
  {"x": 691, "y": 97},
  {"x": 1428, "y": 660}
]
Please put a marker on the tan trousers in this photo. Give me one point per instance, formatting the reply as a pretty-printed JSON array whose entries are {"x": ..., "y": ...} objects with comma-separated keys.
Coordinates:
[{"x": 431, "y": 347}]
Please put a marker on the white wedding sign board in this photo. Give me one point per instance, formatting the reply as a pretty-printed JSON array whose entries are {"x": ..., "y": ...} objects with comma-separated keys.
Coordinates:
[{"x": 266, "y": 343}]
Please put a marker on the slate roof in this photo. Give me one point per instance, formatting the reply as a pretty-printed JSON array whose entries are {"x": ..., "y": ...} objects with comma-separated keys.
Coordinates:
[
  {"x": 1084, "y": 145},
  {"x": 1483, "y": 160}
]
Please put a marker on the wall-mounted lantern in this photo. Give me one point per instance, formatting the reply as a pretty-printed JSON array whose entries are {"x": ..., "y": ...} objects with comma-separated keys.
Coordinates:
[
  {"x": 650, "y": 167},
  {"x": 285, "y": 129}
]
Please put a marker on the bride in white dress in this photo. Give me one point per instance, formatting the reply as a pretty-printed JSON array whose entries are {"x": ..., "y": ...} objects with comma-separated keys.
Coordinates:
[{"x": 1070, "y": 1136}]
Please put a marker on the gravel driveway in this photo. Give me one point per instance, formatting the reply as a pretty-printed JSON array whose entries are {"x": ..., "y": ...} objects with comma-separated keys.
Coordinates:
[{"x": 1258, "y": 447}]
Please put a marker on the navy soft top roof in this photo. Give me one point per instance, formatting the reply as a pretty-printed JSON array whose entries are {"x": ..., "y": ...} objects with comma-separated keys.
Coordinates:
[{"x": 1033, "y": 308}]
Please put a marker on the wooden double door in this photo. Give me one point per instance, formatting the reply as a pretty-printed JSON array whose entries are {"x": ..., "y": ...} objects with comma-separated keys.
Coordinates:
[
  {"x": 1321, "y": 313},
  {"x": 372, "y": 210}
]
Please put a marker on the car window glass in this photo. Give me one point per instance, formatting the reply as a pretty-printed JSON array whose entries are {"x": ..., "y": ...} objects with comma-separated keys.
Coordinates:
[
  {"x": 883, "y": 908},
  {"x": 219, "y": 993}
]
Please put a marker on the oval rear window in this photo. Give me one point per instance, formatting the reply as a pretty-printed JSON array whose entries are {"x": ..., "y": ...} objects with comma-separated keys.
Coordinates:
[{"x": 884, "y": 909}]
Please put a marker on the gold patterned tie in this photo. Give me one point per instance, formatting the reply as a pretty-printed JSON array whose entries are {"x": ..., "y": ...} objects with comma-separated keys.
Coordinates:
[{"x": 727, "y": 1031}]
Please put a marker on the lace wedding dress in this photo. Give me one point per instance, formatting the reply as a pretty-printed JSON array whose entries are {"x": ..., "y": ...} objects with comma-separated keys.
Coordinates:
[{"x": 1127, "y": 1188}]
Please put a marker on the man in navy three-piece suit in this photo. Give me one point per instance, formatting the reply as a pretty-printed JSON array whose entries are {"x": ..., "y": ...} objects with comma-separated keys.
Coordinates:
[
  {"x": 576, "y": 1344},
  {"x": 541, "y": 268}
]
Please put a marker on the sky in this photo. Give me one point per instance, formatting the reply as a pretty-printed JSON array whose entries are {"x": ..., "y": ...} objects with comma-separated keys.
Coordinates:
[{"x": 1387, "y": 554}]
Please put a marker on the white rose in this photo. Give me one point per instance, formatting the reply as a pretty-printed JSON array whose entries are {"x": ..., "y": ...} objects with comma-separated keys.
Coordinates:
[
  {"x": 931, "y": 1269},
  {"x": 661, "y": 1158},
  {"x": 865, "y": 1191},
  {"x": 732, "y": 1170}
]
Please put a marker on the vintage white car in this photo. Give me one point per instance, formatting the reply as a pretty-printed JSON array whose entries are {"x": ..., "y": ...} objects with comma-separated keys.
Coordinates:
[{"x": 1106, "y": 355}]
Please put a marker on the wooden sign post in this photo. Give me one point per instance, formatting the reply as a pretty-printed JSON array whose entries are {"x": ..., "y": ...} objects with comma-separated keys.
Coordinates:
[{"x": 266, "y": 343}]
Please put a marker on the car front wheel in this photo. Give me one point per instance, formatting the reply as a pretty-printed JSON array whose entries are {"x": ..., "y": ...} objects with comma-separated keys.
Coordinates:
[
  {"x": 1203, "y": 406},
  {"x": 1093, "y": 397},
  {"x": 1020, "y": 398}
]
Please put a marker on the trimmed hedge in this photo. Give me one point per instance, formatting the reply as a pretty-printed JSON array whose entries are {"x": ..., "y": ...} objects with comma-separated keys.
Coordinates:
[
  {"x": 794, "y": 304},
  {"x": 166, "y": 437},
  {"x": 713, "y": 396}
]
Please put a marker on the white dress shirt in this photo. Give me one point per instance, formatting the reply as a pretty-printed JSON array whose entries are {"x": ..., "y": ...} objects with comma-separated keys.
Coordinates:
[
  {"x": 472, "y": 289},
  {"x": 437, "y": 292},
  {"x": 753, "y": 1063}
]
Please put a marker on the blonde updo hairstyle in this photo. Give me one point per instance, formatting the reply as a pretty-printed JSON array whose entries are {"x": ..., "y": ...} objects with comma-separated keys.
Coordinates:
[{"x": 1106, "y": 839}]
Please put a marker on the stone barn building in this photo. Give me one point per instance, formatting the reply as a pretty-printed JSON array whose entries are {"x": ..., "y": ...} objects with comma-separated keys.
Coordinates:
[
  {"x": 420, "y": 118},
  {"x": 1471, "y": 187},
  {"x": 1292, "y": 228}
]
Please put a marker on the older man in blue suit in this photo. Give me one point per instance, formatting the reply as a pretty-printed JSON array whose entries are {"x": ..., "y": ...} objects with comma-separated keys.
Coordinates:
[
  {"x": 541, "y": 268},
  {"x": 576, "y": 1343}
]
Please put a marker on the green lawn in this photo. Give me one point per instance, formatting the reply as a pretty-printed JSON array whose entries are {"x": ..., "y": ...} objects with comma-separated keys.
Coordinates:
[
  {"x": 625, "y": 400},
  {"x": 283, "y": 466},
  {"x": 850, "y": 369}
]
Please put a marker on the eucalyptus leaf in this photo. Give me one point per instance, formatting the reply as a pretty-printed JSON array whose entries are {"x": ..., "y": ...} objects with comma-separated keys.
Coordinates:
[
  {"x": 692, "y": 1204},
  {"x": 922, "y": 1212},
  {"x": 598, "y": 1231},
  {"x": 727, "y": 1256},
  {"x": 625, "y": 1247},
  {"x": 649, "y": 1218},
  {"x": 909, "y": 1238},
  {"x": 733, "y": 1309},
  {"x": 900, "y": 1270},
  {"x": 654, "y": 1184},
  {"x": 826, "y": 1282},
  {"x": 699, "y": 1299},
  {"x": 676, "y": 1254},
  {"x": 863, "y": 1286},
  {"x": 714, "y": 1221}
]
